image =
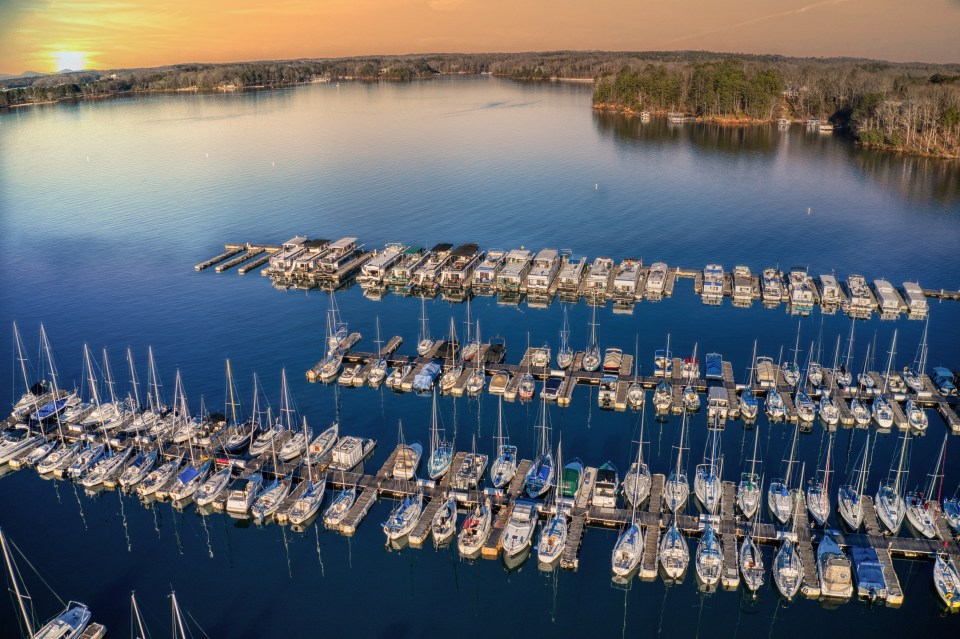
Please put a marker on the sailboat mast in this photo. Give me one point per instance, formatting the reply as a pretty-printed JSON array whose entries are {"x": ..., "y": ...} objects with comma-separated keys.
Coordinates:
[
  {"x": 155, "y": 378},
  {"x": 21, "y": 358},
  {"x": 176, "y": 616},
  {"x": 136, "y": 614},
  {"x": 133, "y": 379},
  {"x": 434, "y": 435},
  {"x": 16, "y": 585},
  {"x": 793, "y": 450},
  {"x": 903, "y": 454},
  {"x": 796, "y": 346},
  {"x": 753, "y": 460},
  {"x": 109, "y": 376},
  {"x": 826, "y": 472},
  {"x": 53, "y": 376},
  {"x": 233, "y": 402},
  {"x": 893, "y": 349},
  {"x": 683, "y": 429}
]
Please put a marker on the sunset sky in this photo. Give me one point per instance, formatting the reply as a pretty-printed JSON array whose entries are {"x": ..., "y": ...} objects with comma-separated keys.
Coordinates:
[{"x": 47, "y": 35}]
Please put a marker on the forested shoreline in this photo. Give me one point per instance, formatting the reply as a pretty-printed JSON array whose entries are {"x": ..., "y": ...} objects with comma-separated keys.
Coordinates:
[{"x": 909, "y": 107}]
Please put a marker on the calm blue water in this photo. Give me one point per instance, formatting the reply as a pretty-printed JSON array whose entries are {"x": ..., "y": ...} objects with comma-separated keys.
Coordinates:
[{"x": 105, "y": 208}]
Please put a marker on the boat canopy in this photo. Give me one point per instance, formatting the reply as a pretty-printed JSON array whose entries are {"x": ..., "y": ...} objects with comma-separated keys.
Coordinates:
[
  {"x": 714, "y": 366},
  {"x": 867, "y": 568},
  {"x": 189, "y": 473}
]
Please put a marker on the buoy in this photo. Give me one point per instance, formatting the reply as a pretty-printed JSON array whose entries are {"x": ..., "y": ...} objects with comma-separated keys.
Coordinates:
[{"x": 596, "y": 187}]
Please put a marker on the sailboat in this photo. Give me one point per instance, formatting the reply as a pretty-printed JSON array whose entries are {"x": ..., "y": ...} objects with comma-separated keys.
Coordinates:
[
  {"x": 424, "y": 342},
  {"x": 322, "y": 444},
  {"x": 159, "y": 477},
  {"x": 340, "y": 506},
  {"x": 540, "y": 475},
  {"x": 263, "y": 438},
  {"x": 749, "y": 405},
  {"x": 528, "y": 384},
  {"x": 674, "y": 552},
  {"x": 444, "y": 523},
  {"x": 336, "y": 338},
  {"x": 564, "y": 353},
  {"x": 806, "y": 409},
  {"x": 751, "y": 561},
  {"x": 378, "y": 371},
  {"x": 864, "y": 378},
  {"x": 829, "y": 411},
  {"x": 706, "y": 482},
  {"x": 310, "y": 500},
  {"x": 889, "y": 500},
  {"x": 628, "y": 550},
  {"x": 107, "y": 468},
  {"x": 478, "y": 378},
  {"x": 916, "y": 416},
  {"x": 267, "y": 501},
  {"x": 946, "y": 580},
  {"x": 441, "y": 451},
  {"x": 861, "y": 414},
  {"x": 773, "y": 404},
  {"x": 913, "y": 375},
  {"x": 238, "y": 435},
  {"x": 69, "y": 624},
  {"x": 504, "y": 467},
  {"x": 408, "y": 457},
  {"x": 922, "y": 507},
  {"x": 137, "y": 470},
  {"x": 404, "y": 516},
  {"x": 553, "y": 535},
  {"x": 190, "y": 479},
  {"x": 676, "y": 489},
  {"x": 882, "y": 411},
  {"x": 636, "y": 483},
  {"x": 779, "y": 499},
  {"x": 843, "y": 375},
  {"x": 691, "y": 399},
  {"x": 591, "y": 356},
  {"x": 951, "y": 510},
  {"x": 449, "y": 378},
  {"x": 663, "y": 393},
  {"x": 787, "y": 564},
  {"x": 476, "y": 528},
  {"x": 850, "y": 494},
  {"x": 29, "y": 402},
  {"x": 749, "y": 491},
  {"x": 818, "y": 493},
  {"x": 636, "y": 396},
  {"x": 791, "y": 370},
  {"x": 296, "y": 445},
  {"x": 214, "y": 486},
  {"x": 709, "y": 558}
]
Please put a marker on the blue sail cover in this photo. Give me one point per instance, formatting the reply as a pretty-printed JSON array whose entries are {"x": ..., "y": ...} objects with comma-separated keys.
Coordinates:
[{"x": 189, "y": 473}]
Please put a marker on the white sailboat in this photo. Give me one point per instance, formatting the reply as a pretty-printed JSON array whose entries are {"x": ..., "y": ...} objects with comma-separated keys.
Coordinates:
[
  {"x": 296, "y": 445},
  {"x": 404, "y": 517},
  {"x": 69, "y": 624},
  {"x": 709, "y": 558},
  {"x": 749, "y": 406},
  {"x": 340, "y": 506},
  {"x": 478, "y": 378},
  {"x": 946, "y": 581},
  {"x": 322, "y": 444},
  {"x": 214, "y": 486},
  {"x": 310, "y": 499},
  {"x": 749, "y": 490},
  {"x": 850, "y": 494},
  {"x": 676, "y": 489},
  {"x": 591, "y": 356},
  {"x": 818, "y": 491},
  {"x": 504, "y": 467},
  {"x": 923, "y": 507},
  {"x": 913, "y": 375},
  {"x": 707, "y": 485},
  {"x": 751, "y": 562},
  {"x": 553, "y": 535},
  {"x": 674, "y": 552},
  {"x": 424, "y": 342},
  {"x": 791, "y": 370},
  {"x": 636, "y": 483},
  {"x": 476, "y": 528},
  {"x": 455, "y": 368},
  {"x": 564, "y": 353},
  {"x": 378, "y": 371},
  {"x": 779, "y": 498},
  {"x": 441, "y": 451},
  {"x": 843, "y": 375},
  {"x": 628, "y": 550},
  {"x": 444, "y": 523},
  {"x": 267, "y": 501},
  {"x": 540, "y": 475},
  {"x": 889, "y": 499},
  {"x": 636, "y": 396},
  {"x": 787, "y": 565},
  {"x": 408, "y": 457},
  {"x": 882, "y": 411}
]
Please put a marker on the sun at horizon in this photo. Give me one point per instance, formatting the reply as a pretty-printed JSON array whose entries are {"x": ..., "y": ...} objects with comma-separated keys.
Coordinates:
[{"x": 72, "y": 60}]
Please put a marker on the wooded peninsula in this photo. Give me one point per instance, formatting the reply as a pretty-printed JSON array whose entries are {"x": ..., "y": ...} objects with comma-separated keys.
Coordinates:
[{"x": 908, "y": 107}]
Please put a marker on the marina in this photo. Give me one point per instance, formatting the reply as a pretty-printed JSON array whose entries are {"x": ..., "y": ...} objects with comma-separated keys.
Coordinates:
[
  {"x": 97, "y": 248},
  {"x": 540, "y": 278}
]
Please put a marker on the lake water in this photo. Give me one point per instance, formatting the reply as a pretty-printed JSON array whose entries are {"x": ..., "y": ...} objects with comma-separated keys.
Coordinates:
[{"x": 106, "y": 206}]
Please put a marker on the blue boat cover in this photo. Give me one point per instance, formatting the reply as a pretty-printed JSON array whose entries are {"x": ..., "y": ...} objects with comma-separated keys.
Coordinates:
[
  {"x": 714, "y": 366},
  {"x": 867, "y": 568}
]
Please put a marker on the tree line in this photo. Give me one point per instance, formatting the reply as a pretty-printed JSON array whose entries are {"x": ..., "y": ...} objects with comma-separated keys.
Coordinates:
[{"x": 912, "y": 107}]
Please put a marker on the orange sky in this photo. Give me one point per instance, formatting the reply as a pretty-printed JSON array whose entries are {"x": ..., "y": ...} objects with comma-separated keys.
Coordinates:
[{"x": 39, "y": 35}]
